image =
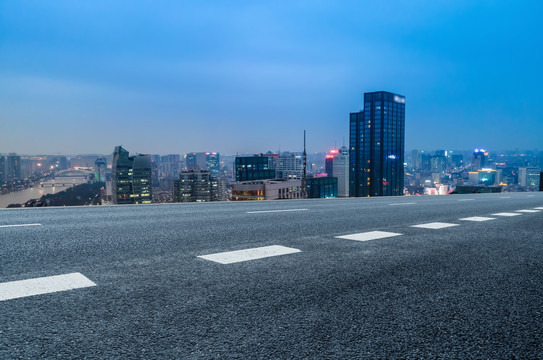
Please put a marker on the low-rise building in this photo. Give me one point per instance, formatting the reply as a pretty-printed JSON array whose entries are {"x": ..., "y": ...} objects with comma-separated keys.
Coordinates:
[
  {"x": 267, "y": 190},
  {"x": 322, "y": 187}
]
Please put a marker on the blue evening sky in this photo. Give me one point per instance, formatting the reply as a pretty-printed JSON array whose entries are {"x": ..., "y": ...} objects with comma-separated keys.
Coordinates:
[{"x": 250, "y": 76}]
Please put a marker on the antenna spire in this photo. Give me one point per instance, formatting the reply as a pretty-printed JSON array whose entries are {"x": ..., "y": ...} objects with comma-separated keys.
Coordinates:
[{"x": 304, "y": 177}]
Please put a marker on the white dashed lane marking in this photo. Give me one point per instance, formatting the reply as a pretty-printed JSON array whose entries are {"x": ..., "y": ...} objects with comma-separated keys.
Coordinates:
[
  {"x": 45, "y": 285},
  {"x": 505, "y": 197},
  {"x": 400, "y": 204},
  {"x": 231, "y": 257},
  {"x": 466, "y": 200},
  {"x": 435, "y": 225},
  {"x": 274, "y": 211},
  {"x": 506, "y": 214},
  {"x": 366, "y": 236},
  {"x": 477, "y": 218},
  {"x": 18, "y": 225},
  {"x": 528, "y": 211},
  {"x": 539, "y": 208}
]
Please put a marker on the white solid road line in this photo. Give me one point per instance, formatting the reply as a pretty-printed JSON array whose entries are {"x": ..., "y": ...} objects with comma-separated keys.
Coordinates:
[
  {"x": 506, "y": 214},
  {"x": 528, "y": 211},
  {"x": 45, "y": 285},
  {"x": 466, "y": 200},
  {"x": 434, "y": 225},
  {"x": 366, "y": 236},
  {"x": 231, "y": 257},
  {"x": 18, "y": 225},
  {"x": 477, "y": 218},
  {"x": 399, "y": 204},
  {"x": 274, "y": 211}
]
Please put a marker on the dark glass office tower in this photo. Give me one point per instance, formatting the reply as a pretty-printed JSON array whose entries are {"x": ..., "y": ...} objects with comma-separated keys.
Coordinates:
[
  {"x": 377, "y": 138},
  {"x": 257, "y": 167},
  {"x": 131, "y": 178}
]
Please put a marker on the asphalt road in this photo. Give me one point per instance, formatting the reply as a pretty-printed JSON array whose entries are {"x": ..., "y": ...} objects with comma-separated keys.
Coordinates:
[{"x": 474, "y": 290}]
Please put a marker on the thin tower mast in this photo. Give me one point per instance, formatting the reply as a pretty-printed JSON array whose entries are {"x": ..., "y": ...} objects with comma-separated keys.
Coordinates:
[{"x": 304, "y": 177}]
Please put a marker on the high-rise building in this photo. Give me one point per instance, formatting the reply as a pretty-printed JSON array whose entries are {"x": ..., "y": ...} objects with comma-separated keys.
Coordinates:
[
  {"x": 213, "y": 163},
  {"x": 425, "y": 162},
  {"x": 2, "y": 169},
  {"x": 289, "y": 166},
  {"x": 457, "y": 160},
  {"x": 170, "y": 166},
  {"x": 529, "y": 177},
  {"x": 257, "y": 167},
  {"x": 58, "y": 163},
  {"x": 195, "y": 160},
  {"x": 376, "y": 153},
  {"x": 438, "y": 163},
  {"x": 479, "y": 160},
  {"x": 415, "y": 160},
  {"x": 13, "y": 167},
  {"x": 196, "y": 186},
  {"x": 329, "y": 162},
  {"x": 100, "y": 168},
  {"x": 131, "y": 178},
  {"x": 337, "y": 165}
]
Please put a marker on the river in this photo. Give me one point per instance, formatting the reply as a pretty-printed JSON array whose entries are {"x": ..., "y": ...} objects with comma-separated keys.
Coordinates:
[{"x": 36, "y": 192}]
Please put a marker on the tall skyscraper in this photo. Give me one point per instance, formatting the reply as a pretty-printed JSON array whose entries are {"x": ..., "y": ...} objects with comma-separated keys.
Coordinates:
[
  {"x": 196, "y": 159},
  {"x": 170, "y": 166},
  {"x": 377, "y": 137},
  {"x": 329, "y": 162},
  {"x": 2, "y": 169},
  {"x": 479, "y": 160},
  {"x": 13, "y": 167},
  {"x": 337, "y": 165},
  {"x": 415, "y": 160},
  {"x": 100, "y": 168},
  {"x": 131, "y": 178},
  {"x": 213, "y": 163}
]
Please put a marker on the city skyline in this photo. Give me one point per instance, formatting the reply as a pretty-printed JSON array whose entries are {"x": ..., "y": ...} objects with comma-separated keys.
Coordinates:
[{"x": 158, "y": 80}]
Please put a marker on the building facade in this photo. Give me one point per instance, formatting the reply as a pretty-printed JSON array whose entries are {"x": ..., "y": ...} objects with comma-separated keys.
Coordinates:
[
  {"x": 267, "y": 190},
  {"x": 528, "y": 177},
  {"x": 213, "y": 163},
  {"x": 376, "y": 153},
  {"x": 195, "y": 160},
  {"x": 322, "y": 187},
  {"x": 196, "y": 186},
  {"x": 289, "y": 166},
  {"x": 479, "y": 159},
  {"x": 131, "y": 178},
  {"x": 2, "y": 169},
  {"x": 257, "y": 167},
  {"x": 337, "y": 165},
  {"x": 486, "y": 177},
  {"x": 100, "y": 169},
  {"x": 13, "y": 167}
]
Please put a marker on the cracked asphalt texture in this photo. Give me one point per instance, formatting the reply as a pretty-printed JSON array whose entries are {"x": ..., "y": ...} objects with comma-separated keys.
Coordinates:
[{"x": 470, "y": 291}]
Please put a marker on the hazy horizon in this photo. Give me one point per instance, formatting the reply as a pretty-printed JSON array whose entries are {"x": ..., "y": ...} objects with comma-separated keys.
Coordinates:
[{"x": 407, "y": 152}]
